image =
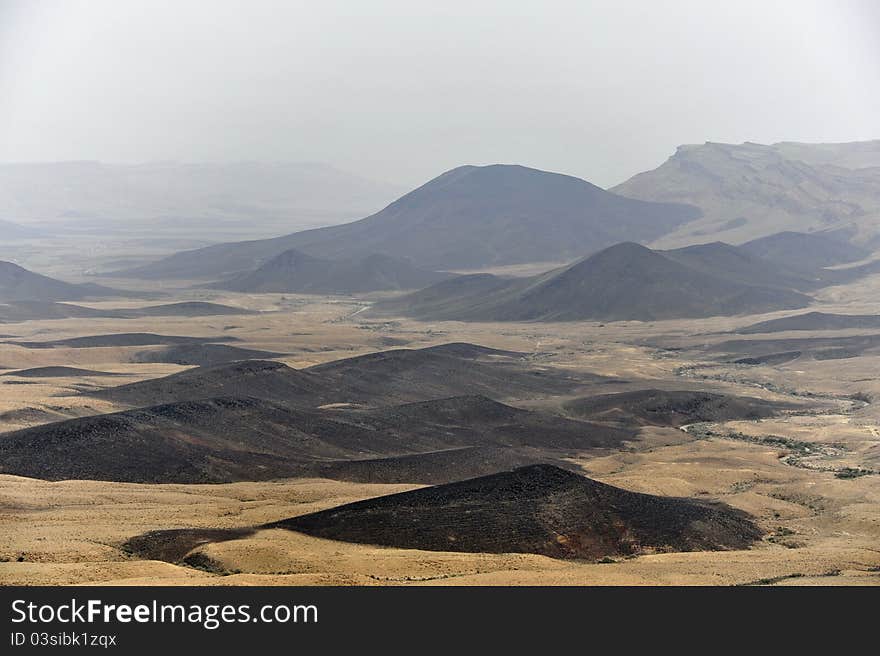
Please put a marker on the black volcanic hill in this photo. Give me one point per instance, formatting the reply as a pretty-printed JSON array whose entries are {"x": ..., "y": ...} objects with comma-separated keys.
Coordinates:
[
  {"x": 207, "y": 441},
  {"x": 539, "y": 509},
  {"x": 401, "y": 375},
  {"x": 801, "y": 259},
  {"x": 814, "y": 321},
  {"x": 431, "y": 468},
  {"x": 773, "y": 359},
  {"x": 266, "y": 380},
  {"x": 671, "y": 408},
  {"x": 801, "y": 251},
  {"x": 384, "y": 377},
  {"x": 16, "y": 311},
  {"x": 791, "y": 260},
  {"x": 186, "y": 309},
  {"x": 467, "y": 351},
  {"x": 58, "y": 372},
  {"x": 293, "y": 271},
  {"x": 480, "y": 421},
  {"x": 469, "y": 217},
  {"x": 122, "y": 339},
  {"x": 202, "y": 355},
  {"x": 19, "y": 284},
  {"x": 623, "y": 282},
  {"x": 736, "y": 264},
  {"x": 230, "y": 439}
]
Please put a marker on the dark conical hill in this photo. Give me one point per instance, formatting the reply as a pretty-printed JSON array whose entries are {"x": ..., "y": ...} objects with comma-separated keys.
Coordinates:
[{"x": 539, "y": 509}]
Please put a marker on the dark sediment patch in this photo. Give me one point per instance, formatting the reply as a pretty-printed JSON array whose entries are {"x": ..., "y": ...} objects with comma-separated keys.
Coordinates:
[
  {"x": 814, "y": 321},
  {"x": 771, "y": 359},
  {"x": 836, "y": 347},
  {"x": 837, "y": 353},
  {"x": 122, "y": 339},
  {"x": 173, "y": 545},
  {"x": 468, "y": 351}
]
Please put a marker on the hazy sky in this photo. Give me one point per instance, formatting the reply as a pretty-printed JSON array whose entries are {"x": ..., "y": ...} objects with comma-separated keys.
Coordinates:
[{"x": 403, "y": 90}]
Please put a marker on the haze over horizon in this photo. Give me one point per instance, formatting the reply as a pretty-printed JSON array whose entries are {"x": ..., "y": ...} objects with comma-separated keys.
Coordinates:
[{"x": 400, "y": 92}]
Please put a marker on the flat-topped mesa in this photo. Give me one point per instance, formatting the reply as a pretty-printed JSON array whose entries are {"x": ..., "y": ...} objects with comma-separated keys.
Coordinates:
[{"x": 749, "y": 190}]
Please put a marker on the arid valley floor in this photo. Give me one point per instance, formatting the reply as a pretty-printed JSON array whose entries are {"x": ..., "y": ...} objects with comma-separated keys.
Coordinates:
[{"x": 808, "y": 475}]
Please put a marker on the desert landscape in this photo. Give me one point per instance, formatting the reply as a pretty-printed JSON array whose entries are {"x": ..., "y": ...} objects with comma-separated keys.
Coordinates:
[{"x": 504, "y": 377}]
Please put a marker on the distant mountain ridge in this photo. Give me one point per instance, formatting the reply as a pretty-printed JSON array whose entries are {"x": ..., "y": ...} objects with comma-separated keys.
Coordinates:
[
  {"x": 65, "y": 191},
  {"x": 805, "y": 251},
  {"x": 737, "y": 264},
  {"x": 19, "y": 284},
  {"x": 469, "y": 217},
  {"x": 624, "y": 282}
]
